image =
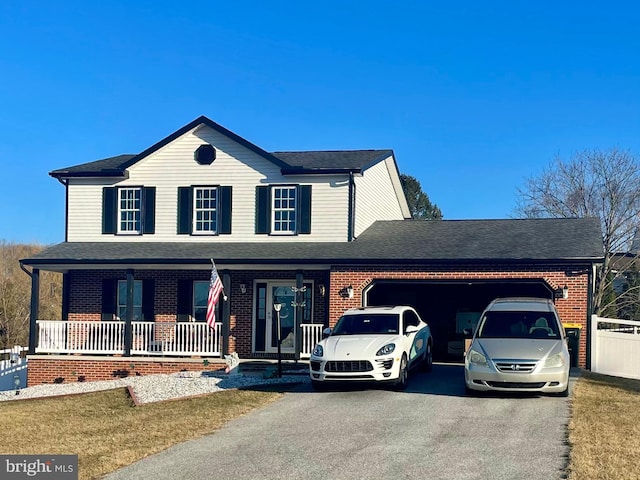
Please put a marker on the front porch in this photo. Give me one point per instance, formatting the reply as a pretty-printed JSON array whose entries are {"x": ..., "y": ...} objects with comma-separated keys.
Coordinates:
[{"x": 71, "y": 351}]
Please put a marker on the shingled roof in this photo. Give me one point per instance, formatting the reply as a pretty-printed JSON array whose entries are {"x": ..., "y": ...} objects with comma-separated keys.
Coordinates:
[
  {"x": 385, "y": 242},
  {"x": 311, "y": 162}
]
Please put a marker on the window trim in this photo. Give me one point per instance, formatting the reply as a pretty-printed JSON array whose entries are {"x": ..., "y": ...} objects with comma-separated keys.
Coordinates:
[
  {"x": 119, "y": 230},
  {"x": 294, "y": 210},
  {"x": 194, "y": 210}
]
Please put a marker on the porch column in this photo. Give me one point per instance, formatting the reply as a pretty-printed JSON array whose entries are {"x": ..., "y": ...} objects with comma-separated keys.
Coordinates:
[
  {"x": 299, "y": 314},
  {"x": 226, "y": 313},
  {"x": 129, "y": 319},
  {"x": 33, "y": 314}
]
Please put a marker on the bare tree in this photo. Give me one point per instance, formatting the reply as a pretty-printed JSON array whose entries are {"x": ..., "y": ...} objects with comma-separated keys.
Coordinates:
[
  {"x": 15, "y": 294},
  {"x": 592, "y": 183}
]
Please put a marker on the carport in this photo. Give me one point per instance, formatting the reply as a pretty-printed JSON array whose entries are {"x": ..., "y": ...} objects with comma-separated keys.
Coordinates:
[{"x": 449, "y": 306}]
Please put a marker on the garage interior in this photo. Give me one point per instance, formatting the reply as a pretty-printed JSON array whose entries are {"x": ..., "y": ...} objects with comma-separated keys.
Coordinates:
[{"x": 451, "y": 306}]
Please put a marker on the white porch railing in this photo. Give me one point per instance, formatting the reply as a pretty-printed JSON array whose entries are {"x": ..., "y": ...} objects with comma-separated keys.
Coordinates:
[
  {"x": 148, "y": 338},
  {"x": 615, "y": 347},
  {"x": 311, "y": 334}
]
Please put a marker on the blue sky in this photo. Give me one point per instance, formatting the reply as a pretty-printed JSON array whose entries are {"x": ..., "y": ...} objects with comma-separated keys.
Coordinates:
[{"x": 473, "y": 97}]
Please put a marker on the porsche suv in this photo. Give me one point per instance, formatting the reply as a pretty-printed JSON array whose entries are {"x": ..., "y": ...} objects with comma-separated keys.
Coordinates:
[
  {"x": 377, "y": 344},
  {"x": 519, "y": 345}
]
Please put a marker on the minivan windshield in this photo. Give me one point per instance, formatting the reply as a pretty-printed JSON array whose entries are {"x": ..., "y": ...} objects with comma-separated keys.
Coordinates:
[
  {"x": 377, "y": 323},
  {"x": 514, "y": 324}
]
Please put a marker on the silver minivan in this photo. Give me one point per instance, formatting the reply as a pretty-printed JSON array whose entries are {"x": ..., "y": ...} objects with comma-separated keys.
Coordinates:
[{"x": 519, "y": 345}]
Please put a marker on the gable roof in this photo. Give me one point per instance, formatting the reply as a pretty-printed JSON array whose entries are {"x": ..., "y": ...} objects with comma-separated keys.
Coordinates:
[
  {"x": 385, "y": 242},
  {"x": 309, "y": 162}
]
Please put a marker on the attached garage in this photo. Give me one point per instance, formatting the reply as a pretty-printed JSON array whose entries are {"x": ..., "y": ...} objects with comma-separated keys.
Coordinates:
[
  {"x": 451, "y": 306},
  {"x": 450, "y": 271}
]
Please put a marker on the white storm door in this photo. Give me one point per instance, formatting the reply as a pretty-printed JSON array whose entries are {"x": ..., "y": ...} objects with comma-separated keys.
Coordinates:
[{"x": 281, "y": 293}]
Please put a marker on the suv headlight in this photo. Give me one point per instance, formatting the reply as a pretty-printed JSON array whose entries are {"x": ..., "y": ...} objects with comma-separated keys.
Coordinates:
[
  {"x": 477, "y": 358},
  {"x": 554, "y": 361},
  {"x": 318, "y": 351},
  {"x": 387, "y": 349}
]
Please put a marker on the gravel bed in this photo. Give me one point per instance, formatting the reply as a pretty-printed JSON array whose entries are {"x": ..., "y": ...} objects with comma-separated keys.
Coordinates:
[{"x": 156, "y": 388}]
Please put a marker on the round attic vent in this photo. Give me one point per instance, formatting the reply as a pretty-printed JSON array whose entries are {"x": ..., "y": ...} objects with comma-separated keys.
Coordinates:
[{"x": 205, "y": 154}]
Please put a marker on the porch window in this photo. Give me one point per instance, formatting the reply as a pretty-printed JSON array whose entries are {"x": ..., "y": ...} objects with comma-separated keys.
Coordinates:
[
  {"x": 200, "y": 296},
  {"x": 122, "y": 300}
]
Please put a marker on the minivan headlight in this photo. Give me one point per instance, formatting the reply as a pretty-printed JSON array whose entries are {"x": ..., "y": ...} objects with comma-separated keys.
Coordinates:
[
  {"x": 477, "y": 358},
  {"x": 554, "y": 361},
  {"x": 318, "y": 351}
]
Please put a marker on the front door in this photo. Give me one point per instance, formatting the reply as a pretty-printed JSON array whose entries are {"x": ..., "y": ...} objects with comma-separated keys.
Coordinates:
[
  {"x": 278, "y": 292},
  {"x": 282, "y": 295}
]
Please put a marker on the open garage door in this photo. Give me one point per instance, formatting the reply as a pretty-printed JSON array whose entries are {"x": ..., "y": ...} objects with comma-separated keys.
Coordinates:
[{"x": 451, "y": 306}]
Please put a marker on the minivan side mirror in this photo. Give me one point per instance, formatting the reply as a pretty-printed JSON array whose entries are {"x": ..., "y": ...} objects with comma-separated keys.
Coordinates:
[
  {"x": 467, "y": 332},
  {"x": 410, "y": 329},
  {"x": 326, "y": 332}
]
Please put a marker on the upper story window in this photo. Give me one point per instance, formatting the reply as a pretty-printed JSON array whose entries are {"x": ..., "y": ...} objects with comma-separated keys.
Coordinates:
[
  {"x": 204, "y": 210},
  {"x": 205, "y": 218},
  {"x": 283, "y": 209},
  {"x": 128, "y": 210}
]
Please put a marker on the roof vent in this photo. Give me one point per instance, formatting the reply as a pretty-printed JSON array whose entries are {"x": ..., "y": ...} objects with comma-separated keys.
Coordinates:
[{"x": 205, "y": 154}]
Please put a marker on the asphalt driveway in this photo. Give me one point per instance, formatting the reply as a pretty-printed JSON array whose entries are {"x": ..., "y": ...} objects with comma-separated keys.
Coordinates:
[{"x": 432, "y": 430}]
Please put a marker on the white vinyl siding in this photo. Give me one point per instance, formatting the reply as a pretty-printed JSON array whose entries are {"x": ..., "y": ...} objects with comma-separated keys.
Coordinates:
[
  {"x": 173, "y": 166},
  {"x": 376, "y": 198}
]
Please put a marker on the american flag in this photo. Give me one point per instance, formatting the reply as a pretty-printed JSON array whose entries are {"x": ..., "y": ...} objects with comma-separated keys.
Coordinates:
[{"x": 215, "y": 287}]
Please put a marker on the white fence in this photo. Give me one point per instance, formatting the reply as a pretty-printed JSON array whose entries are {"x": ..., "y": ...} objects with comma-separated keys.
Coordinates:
[
  {"x": 148, "y": 338},
  {"x": 615, "y": 347},
  {"x": 13, "y": 368}
]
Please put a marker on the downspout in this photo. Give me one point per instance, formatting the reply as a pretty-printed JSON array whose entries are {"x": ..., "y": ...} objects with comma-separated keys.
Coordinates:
[
  {"x": 590, "y": 280},
  {"x": 35, "y": 302},
  {"x": 351, "y": 213},
  {"x": 66, "y": 207}
]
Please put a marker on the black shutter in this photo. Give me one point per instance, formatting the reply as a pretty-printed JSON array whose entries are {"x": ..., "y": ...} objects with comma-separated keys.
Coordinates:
[
  {"x": 109, "y": 286},
  {"x": 148, "y": 300},
  {"x": 304, "y": 208},
  {"x": 224, "y": 210},
  {"x": 185, "y": 294},
  {"x": 149, "y": 210},
  {"x": 109, "y": 210},
  {"x": 263, "y": 209},
  {"x": 185, "y": 208}
]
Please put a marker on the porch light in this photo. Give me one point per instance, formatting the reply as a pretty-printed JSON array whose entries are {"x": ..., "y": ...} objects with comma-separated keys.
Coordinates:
[
  {"x": 243, "y": 288},
  {"x": 321, "y": 289},
  {"x": 565, "y": 292},
  {"x": 350, "y": 291}
]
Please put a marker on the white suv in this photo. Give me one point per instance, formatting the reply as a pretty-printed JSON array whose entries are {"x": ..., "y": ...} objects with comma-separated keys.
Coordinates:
[
  {"x": 373, "y": 344},
  {"x": 519, "y": 345}
]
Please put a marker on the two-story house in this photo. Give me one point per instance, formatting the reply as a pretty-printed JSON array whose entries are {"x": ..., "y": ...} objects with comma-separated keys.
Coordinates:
[{"x": 312, "y": 232}]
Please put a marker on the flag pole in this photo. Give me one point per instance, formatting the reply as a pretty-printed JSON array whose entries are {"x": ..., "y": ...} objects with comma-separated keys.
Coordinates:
[{"x": 224, "y": 294}]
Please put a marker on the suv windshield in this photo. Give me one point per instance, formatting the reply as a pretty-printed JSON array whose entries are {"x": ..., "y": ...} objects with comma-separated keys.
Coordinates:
[
  {"x": 518, "y": 325},
  {"x": 372, "y": 324}
]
